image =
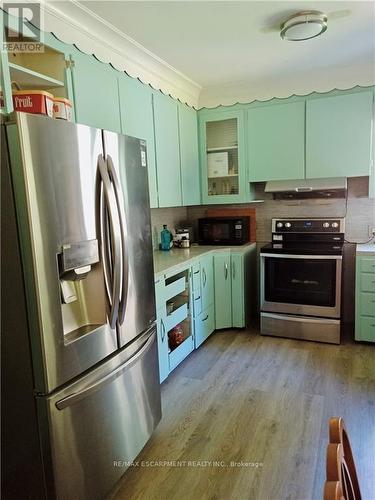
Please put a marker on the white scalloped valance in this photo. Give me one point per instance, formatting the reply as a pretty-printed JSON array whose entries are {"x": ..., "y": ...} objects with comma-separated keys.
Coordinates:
[{"x": 300, "y": 84}]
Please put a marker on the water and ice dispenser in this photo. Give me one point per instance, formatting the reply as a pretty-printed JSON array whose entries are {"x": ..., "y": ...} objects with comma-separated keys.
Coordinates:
[{"x": 82, "y": 291}]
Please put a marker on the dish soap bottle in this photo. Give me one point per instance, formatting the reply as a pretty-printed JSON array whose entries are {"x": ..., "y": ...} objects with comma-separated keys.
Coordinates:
[{"x": 165, "y": 238}]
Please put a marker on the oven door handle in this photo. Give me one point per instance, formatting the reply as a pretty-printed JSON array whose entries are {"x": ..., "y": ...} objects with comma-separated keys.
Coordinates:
[{"x": 291, "y": 256}]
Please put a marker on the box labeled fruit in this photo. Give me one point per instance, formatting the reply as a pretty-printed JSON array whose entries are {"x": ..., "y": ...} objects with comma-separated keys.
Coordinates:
[{"x": 32, "y": 101}]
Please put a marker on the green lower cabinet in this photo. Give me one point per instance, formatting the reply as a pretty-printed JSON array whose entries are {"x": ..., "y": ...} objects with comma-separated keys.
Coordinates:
[
  {"x": 137, "y": 121},
  {"x": 162, "y": 338},
  {"x": 367, "y": 282},
  {"x": 235, "y": 289},
  {"x": 366, "y": 304},
  {"x": 223, "y": 290},
  {"x": 96, "y": 97},
  {"x": 180, "y": 353},
  {"x": 207, "y": 281},
  {"x": 238, "y": 303},
  {"x": 338, "y": 135},
  {"x": 160, "y": 293},
  {"x": 196, "y": 289},
  {"x": 204, "y": 325},
  {"x": 276, "y": 142},
  {"x": 365, "y": 299},
  {"x": 365, "y": 329}
]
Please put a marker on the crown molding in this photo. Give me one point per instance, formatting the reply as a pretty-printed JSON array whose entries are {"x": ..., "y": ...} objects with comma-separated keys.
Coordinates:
[{"x": 73, "y": 23}]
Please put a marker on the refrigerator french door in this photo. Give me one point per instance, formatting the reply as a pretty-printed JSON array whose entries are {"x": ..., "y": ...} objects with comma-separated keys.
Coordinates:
[
  {"x": 126, "y": 158},
  {"x": 56, "y": 183},
  {"x": 85, "y": 242}
]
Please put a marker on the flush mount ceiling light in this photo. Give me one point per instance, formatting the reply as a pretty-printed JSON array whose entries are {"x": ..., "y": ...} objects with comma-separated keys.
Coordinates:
[{"x": 304, "y": 25}]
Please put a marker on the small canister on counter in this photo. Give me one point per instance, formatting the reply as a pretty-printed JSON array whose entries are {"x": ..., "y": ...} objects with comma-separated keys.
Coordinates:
[
  {"x": 181, "y": 238},
  {"x": 62, "y": 109}
]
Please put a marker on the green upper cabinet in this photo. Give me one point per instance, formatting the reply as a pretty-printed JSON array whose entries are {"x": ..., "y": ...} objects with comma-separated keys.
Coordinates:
[
  {"x": 167, "y": 151},
  {"x": 137, "y": 121},
  {"x": 276, "y": 142},
  {"x": 47, "y": 70},
  {"x": 222, "y": 157},
  {"x": 188, "y": 128},
  {"x": 96, "y": 98},
  {"x": 338, "y": 135},
  {"x": 5, "y": 84}
]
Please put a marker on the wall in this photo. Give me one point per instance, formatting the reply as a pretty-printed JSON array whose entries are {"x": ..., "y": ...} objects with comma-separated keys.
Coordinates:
[
  {"x": 170, "y": 216},
  {"x": 360, "y": 215}
]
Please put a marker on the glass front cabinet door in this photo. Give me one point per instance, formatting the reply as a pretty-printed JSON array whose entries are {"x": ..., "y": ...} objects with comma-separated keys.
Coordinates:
[{"x": 222, "y": 156}]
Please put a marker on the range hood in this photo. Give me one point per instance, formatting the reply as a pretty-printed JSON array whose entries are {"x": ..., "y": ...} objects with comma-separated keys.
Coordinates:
[{"x": 334, "y": 187}]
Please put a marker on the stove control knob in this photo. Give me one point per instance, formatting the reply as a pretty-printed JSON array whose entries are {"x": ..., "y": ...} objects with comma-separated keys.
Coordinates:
[
  {"x": 288, "y": 224},
  {"x": 335, "y": 224},
  {"x": 325, "y": 224},
  {"x": 279, "y": 224}
]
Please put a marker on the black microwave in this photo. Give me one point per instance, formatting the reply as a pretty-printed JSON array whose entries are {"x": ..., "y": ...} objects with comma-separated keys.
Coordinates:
[{"x": 223, "y": 230}]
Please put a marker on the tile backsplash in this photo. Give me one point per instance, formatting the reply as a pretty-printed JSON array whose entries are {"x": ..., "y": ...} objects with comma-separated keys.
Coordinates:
[
  {"x": 170, "y": 216},
  {"x": 359, "y": 213},
  {"x": 360, "y": 210}
]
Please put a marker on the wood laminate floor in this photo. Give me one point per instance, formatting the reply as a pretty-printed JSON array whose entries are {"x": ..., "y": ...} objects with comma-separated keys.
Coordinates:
[{"x": 259, "y": 400}]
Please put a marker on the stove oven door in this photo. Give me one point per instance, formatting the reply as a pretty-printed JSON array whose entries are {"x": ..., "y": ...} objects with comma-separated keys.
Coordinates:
[{"x": 308, "y": 285}]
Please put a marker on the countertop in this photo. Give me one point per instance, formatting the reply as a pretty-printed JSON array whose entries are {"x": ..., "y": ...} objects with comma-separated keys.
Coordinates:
[
  {"x": 166, "y": 261},
  {"x": 365, "y": 249}
]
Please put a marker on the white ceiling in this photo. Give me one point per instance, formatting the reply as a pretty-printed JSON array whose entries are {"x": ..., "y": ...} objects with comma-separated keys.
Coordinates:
[{"x": 229, "y": 45}]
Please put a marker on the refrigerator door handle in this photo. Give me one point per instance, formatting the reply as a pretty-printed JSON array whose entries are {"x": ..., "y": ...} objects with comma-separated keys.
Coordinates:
[
  {"x": 111, "y": 242},
  {"x": 77, "y": 396},
  {"x": 105, "y": 247},
  {"x": 124, "y": 255}
]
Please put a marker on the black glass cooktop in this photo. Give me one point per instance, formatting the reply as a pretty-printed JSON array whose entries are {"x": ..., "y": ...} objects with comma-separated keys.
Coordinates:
[{"x": 307, "y": 248}]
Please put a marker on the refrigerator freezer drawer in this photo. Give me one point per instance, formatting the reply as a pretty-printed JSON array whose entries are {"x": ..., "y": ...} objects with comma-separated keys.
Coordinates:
[
  {"x": 99, "y": 421},
  {"x": 300, "y": 327}
]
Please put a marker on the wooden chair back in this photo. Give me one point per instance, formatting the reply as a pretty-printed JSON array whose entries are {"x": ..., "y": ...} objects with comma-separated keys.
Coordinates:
[{"x": 342, "y": 481}]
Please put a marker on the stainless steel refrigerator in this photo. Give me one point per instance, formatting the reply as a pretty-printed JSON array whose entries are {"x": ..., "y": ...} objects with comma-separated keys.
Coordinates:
[{"x": 80, "y": 380}]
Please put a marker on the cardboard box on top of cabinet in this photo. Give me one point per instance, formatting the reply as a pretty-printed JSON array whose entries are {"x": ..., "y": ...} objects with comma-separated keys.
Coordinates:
[{"x": 217, "y": 164}]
